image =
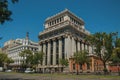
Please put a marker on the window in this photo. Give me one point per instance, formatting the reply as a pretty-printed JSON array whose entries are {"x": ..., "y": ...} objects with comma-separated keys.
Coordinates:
[
  {"x": 57, "y": 20},
  {"x": 50, "y": 23},
  {"x": 76, "y": 46},
  {"x": 51, "y": 60},
  {"x": 63, "y": 44},
  {"x": 80, "y": 66},
  {"x": 73, "y": 66},
  {"x": 57, "y": 49},
  {"x": 88, "y": 65},
  {"x": 46, "y": 54},
  {"x": 60, "y": 19}
]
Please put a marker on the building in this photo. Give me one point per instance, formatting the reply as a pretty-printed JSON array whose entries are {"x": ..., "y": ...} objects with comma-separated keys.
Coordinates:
[
  {"x": 19, "y": 45},
  {"x": 64, "y": 35},
  {"x": 7, "y": 45}
]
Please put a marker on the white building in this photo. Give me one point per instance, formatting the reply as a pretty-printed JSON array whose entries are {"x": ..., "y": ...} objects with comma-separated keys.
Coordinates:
[
  {"x": 20, "y": 45},
  {"x": 63, "y": 35}
]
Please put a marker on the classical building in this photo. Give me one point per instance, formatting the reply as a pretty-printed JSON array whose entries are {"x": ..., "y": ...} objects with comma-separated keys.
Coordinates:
[
  {"x": 64, "y": 35},
  {"x": 7, "y": 45},
  {"x": 19, "y": 45}
]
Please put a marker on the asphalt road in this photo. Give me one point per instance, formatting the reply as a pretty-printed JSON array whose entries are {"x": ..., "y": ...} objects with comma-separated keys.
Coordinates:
[{"x": 18, "y": 76}]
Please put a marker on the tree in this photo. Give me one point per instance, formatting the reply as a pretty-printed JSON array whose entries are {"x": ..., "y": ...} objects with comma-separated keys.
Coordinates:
[
  {"x": 103, "y": 44},
  {"x": 116, "y": 54},
  {"x": 80, "y": 57},
  {"x": 117, "y": 47},
  {"x": 5, "y": 60},
  {"x": 5, "y": 13},
  {"x": 37, "y": 58},
  {"x": 8, "y": 61},
  {"x": 64, "y": 62},
  {"x": 27, "y": 57},
  {"x": 31, "y": 59},
  {"x": 3, "y": 56}
]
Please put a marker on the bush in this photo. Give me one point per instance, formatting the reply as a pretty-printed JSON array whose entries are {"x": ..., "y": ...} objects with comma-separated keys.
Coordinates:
[{"x": 105, "y": 71}]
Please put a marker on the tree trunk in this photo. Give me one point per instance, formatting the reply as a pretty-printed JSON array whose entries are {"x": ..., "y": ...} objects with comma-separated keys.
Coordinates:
[
  {"x": 118, "y": 69},
  {"x": 77, "y": 68},
  {"x": 105, "y": 69}
]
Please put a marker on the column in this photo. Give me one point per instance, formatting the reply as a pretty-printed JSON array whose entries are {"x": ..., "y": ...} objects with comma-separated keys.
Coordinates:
[
  {"x": 66, "y": 47},
  {"x": 86, "y": 47},
  {"x": 82, "y": 46},
  {"x": 44, "y": 51},
  {"x": 73, "y": 46},
  {"x": 78, "y": 45},
  {"x": 54, "y": 52},
  {"x": 48, "y": 53},
  {"x": 60, "y": 48},
  {"x": 90, "y": 49},
  {"x": 40, "y": 47}
]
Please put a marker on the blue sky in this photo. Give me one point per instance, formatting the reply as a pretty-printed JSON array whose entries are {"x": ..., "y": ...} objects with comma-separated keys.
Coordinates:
[{"x": 29, "y": 16}]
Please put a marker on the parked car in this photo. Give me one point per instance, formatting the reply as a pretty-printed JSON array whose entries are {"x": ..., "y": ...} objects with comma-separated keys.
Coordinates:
[
  {"x": 8, "y": 70},
  {"x": 1, "y": 69},
  {"x": 29, "y": 70}
]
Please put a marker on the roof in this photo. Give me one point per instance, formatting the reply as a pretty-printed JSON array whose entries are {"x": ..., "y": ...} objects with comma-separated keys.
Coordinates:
[{"x": 63, "y": 12}]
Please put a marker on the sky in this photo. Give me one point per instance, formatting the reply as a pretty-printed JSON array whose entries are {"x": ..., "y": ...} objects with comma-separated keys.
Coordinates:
[{"x": 29, "y": 16}]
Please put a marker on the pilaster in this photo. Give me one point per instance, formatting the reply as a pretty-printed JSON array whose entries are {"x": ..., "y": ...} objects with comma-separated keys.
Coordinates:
[
  {"x": 44, "y": 51},
  {"x": 48, "y": 53},
  {"x": 82, "y": 45},
  {"x": 54, "y": 52},
  {"x": 78, "y": 45},
  {"x": 90, "y": 49},
  {"x": 60, "y": 48}
]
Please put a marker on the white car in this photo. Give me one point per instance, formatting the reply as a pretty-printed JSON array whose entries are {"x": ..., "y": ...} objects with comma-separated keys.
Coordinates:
[
  {"x": 8, "y": 70},
  {"x": 29, "y": 70}
]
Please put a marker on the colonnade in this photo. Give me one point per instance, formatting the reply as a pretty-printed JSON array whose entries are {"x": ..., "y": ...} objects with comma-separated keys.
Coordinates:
[{"x": 70, "y": 45}]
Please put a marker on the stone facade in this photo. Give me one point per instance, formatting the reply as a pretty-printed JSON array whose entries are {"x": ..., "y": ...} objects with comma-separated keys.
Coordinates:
[
  {"x": 18, "y": 46},
  {"x": 64, "y": 35}
]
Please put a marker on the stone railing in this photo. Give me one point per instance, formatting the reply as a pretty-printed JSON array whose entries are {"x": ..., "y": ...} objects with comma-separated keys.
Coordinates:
[
  {"x": 65, "y": 23},
  {"x": 54, "y": 27}
]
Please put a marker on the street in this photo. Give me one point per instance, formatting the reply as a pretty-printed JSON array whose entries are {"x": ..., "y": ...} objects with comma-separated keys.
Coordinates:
[{"x": 23, "y": 76}]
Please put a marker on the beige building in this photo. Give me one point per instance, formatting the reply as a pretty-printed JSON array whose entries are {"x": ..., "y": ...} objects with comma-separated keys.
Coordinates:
[
  {"x": 18, "y": 45},
  {"x": 63, "y": 35},
  {"x": 7, "y": 45}
]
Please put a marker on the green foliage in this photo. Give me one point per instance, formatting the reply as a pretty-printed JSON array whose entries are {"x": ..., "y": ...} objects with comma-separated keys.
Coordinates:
[
  {"x": 5, "y": 59},
  {"x": 103, "y": 44},
  {"x": 2, "y": 58},
  {"x": 81, "y": 57},
  {"x": 117, "y": 47},
  {"x": 38, "y": 58},
  {"x": 64, "y": 62},
  {"x": 27, "y": 56},
  {"x": 9, "y": 60},
  {"x": 31, "y": 59},
  {"x": 5, "y": 13},
  {"x": 115, "y": 58}
]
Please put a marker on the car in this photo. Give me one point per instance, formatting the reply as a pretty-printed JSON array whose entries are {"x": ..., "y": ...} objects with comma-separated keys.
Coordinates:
[
  {"x": 8, "y": 70},
  {"x": 29, "y": 70},
  {"x": 1, "y": 69}
]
